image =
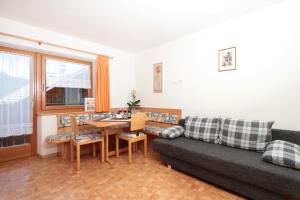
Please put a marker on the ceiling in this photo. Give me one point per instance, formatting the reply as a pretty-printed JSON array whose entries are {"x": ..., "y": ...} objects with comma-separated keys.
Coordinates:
[{"x": 130, "y": 25}]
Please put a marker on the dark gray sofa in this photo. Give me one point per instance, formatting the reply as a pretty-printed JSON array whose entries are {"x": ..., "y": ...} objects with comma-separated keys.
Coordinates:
[{"x": 238, "y": 170}]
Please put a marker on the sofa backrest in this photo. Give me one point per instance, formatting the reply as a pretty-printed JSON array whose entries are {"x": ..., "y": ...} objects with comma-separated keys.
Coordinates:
[
  {"x": 286, "y": 135},
  {"x": 277, "y": 134}
]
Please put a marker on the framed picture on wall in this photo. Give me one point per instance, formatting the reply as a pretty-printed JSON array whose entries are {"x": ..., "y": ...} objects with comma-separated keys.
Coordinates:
[
  {"x": 89, "y": 104},
  {"x": 227, "y": 59},
  {"x": 157, "y": 77}
]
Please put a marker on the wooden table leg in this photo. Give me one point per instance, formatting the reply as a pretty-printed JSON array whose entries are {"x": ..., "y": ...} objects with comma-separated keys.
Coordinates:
[
  {"x": 62, "y": 150},
  {"x": 102, "y": 150},
  {"x": 117, "y": 146},
  {"x": 71, "y": 152},
  {"x": 78, "y": 157},
  {"x": 129, "y": 152},
  {"x": 94, "y": 150},
  {"x": 145, "y": 146},
  {"x": 106, "y": 145},
  {"x": 67, "y": 150}
]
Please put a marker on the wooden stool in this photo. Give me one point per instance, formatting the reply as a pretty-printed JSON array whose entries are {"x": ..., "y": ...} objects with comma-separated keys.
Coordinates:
[
  {"x": 130, "y": 142},
  {"x": 77, "y": 144}
]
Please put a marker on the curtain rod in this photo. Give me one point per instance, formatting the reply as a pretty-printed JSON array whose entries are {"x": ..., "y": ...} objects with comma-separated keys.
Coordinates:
[{"x": 40, "y": 42}]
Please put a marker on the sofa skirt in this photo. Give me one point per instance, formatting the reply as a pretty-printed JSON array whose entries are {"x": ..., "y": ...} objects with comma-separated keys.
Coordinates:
[{"x": 239, "y": 187}]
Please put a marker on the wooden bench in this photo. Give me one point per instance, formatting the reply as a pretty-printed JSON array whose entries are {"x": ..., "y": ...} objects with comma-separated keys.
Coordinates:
[{"x": 158, "y": 120}]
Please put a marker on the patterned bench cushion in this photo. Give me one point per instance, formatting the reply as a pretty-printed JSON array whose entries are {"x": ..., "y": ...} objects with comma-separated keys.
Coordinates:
[
  {"x": 169, "y": 118},
  {"x": 153, "y": 129},
  {"x": 65, "y": 121},
  {"x": 56, "y": 138},
  {"x": 101, "y": 115},
  {"x": 81, "y": 118}
]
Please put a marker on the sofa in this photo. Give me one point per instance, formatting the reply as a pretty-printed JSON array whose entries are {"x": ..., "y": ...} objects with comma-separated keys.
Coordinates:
[{"x": 237, "y": 170}]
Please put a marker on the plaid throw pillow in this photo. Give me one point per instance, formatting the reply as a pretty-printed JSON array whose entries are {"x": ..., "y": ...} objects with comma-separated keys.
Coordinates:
[
  {"x": 244, "y": 134},
  {"x": 205, "y": 129},
  {"x": 283, "y": 153},
  {"x": 171, "y": 132}
]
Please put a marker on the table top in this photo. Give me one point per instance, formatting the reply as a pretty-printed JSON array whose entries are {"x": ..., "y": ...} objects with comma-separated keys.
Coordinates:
[{"x": 105, "y": 123}]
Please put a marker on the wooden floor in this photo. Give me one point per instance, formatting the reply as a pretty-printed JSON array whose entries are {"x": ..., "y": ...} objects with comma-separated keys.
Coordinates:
[{"x": 145, "y": 178}]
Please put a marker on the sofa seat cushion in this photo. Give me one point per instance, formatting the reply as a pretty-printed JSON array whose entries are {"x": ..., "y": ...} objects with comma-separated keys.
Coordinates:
[{"x": 242, "y": 165}]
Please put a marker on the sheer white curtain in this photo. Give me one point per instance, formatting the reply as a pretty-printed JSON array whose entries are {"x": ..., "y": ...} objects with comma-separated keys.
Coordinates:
[
  {"x": 15, "y": 94},
  {"x": 67, "y": 75}
]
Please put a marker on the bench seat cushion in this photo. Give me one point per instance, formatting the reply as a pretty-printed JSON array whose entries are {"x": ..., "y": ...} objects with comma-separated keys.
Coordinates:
[
  {"x": 57, "y": 138},
  {"x": 242, "y": 165}
]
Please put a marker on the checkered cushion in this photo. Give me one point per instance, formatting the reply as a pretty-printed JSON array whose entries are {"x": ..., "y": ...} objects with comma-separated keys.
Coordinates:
[
  {"x": 171, "y": 132},
  {"x": 245, "y": 134},
  {"x": 153, "y": 129},
  {"x": 205, "y": 129},
  {"x": 283, "y": 153}
]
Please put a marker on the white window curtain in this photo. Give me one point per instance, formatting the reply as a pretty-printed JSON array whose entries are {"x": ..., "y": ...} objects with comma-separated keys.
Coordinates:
[
  {"x": 67, "y": 75},
  {"x": 15, "y": 94}
]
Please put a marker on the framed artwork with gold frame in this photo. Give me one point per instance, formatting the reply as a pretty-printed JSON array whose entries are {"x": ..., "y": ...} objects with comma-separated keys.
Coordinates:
[
  {"x": 157, "y": 77},
  {"x": 227, "y": 59}
]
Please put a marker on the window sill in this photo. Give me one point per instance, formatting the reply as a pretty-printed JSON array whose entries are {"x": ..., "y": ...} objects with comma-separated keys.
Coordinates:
[{"x": 61, "y": 112}]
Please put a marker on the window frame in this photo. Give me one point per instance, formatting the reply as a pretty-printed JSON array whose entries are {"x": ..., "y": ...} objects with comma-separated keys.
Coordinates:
[
  {"x": 43, "y": 83},
  {"x": 28, "y": 149}
]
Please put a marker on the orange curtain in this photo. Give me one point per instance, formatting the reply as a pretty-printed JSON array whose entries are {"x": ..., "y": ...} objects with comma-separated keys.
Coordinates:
[{"x": 102, "y": 87}]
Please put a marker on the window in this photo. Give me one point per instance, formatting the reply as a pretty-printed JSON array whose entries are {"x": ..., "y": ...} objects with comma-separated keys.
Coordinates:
[
  {"x": 16, "y": 81},
  {"x": 65, "y": 83}
]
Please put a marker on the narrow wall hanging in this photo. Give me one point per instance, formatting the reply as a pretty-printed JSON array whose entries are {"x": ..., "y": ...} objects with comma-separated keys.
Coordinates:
[{"x": 157, "y": 77}]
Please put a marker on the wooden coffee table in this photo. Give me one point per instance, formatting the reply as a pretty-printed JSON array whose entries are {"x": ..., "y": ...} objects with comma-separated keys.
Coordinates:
[{"x": 131, "y": 140}]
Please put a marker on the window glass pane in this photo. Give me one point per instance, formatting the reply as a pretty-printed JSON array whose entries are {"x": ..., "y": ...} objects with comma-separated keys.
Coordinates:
[
  {"x": 66, "y": 96},
  {"x": 67, "y": 74},
  {"x": 67, "y": 83},
  {"x": 15, "y": 98}
]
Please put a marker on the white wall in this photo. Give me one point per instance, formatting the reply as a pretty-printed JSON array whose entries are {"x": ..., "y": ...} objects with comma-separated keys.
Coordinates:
[
  {"x": 47, "y": 125},
  {"x": 121, "y": 68},
  {"x": 265, "y": 85}
]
